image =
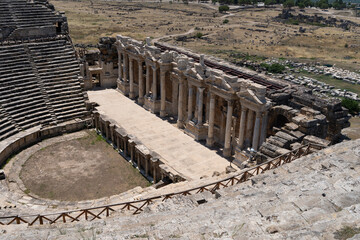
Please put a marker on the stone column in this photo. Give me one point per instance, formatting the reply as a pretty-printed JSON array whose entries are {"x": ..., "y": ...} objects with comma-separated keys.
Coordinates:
[
  {"x": 263, "y": 128},
  {"x": 190, "y": 100},
  {"x": 131, "y": 69},
  {"x": 200, "y": 98},
  {"x": 154, "y": 85},
  {"x": 139, "y": 160},
  {"x": 242, "y": 127},
  {"x": 141, "y": 83},
  {"x": 120, "y": 68},
  {"x": 163, "y": 94},
  {"x": 255, "y": 141},
  {"x": 180, "y": 121},
  {"x": 125, "y": 147},
  {"x": 210, "y": 137},
  {"x": 125, "y": 66},
  {"x": 249, "y": 127},
  {"x": 174, "y": 97},
  {"x": 227, "y": 143},
  {"x": 147, "y": 80}
]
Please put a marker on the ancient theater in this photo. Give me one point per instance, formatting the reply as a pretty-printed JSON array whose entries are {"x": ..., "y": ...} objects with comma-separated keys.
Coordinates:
[{"x": 187, "y": 131}]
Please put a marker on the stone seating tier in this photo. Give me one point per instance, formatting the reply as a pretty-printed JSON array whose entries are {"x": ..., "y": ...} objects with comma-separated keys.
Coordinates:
[
  {"x": 21, "y": 13},
  {"x": 39, "y": 85}
]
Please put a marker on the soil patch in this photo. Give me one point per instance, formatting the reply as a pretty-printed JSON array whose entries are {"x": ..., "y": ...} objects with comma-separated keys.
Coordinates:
[{"x": 81, "y": 169}]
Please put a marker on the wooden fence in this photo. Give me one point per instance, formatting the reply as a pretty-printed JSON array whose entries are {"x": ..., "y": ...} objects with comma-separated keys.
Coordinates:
[{"x": 138, "y": 206}]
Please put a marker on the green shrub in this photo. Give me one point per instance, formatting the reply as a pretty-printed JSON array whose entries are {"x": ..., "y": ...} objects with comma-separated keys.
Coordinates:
[
  {"x": 199, "y": 35},
  {"x": 226, "y": 21},
  {"x": 352, "y": 105},
  {"x": 224, "y": 8},
  {"x": 276, "y": 68},
  {"x": 273, "y": 68}
]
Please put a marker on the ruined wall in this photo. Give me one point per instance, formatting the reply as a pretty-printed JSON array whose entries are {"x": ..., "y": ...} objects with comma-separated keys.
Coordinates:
[{"x": 329, "y": 126}]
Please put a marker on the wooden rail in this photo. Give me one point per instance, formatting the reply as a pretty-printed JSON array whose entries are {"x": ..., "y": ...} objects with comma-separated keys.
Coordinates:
[{"x": 136, "y": 207}]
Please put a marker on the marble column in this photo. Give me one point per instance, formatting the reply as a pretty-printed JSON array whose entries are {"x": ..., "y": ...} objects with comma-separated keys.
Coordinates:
[
  {"x": 263, "y": 128},
  {"x": 174, "y": 97},
  {"x": 163, "y": 94},
  {"x": 242, "y": 127},
  {"x": 180, "y": 121},
  {"x": 255, "y": 142},
  {"x": 190, "y": 102},
  {"x": 141, "y": 83},
  {"x": 154, "y": 85},
  {"x": 125, "y": 68},
  {"x": 227, "y": 143},
  {"x": 131, "y": 69},
  {"x": 210, "y": 137},
  {"x": 147, "y": 90},
  {"x": 120, "y": 68},
  {"x": 249, "y": 127},
  {"x": 200, "y": 102}
]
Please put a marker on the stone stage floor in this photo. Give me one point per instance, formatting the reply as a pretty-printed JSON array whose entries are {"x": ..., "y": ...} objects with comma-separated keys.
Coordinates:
[{"x": 178, "y": 150}]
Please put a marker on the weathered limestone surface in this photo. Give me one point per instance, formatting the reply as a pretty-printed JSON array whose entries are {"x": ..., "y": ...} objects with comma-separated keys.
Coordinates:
[
  {"x": 310, "y": 198},
  {"x": 191, "y": 159}
]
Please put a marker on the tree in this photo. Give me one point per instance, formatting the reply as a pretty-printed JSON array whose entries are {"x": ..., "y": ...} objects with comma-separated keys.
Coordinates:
[
  {"x": 339, "y": 4},
  {"x": 289, "y": 4},
  {"x": 223, "y": 8}
]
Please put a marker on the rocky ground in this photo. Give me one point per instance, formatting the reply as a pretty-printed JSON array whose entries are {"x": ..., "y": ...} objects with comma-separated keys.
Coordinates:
[{"x": 314, "y": 197}]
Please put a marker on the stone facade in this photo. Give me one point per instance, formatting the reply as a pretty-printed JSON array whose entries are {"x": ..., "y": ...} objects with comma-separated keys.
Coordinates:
[{"x": 219, "y": 107}]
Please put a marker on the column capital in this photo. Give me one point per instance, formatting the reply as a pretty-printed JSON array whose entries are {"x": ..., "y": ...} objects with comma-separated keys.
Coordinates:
[
  {"x": 229, "y": 102},
  {"x": 258, "y": 114},
  {"x": 201, "y": 89}
]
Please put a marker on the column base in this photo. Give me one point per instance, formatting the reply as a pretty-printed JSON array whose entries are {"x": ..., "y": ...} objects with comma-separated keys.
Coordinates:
[
  {"x": 180, "y": 124},
  {"x": 132, "y": 95},
  {"x": 151, "y": 105},
  {"x": 210, "y": 142},
  {"x": 227, "y": 152},
  {"x": 123, "y": 87},
  {"x": 195, "y": 131},
  {"x": 141, "y": 100},
  {"x": 162, "y": 113}
]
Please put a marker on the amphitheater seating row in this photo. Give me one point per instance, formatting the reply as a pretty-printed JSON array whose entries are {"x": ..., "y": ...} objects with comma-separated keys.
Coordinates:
[
  {"x": 59, "y": 71},
  {"x": 20, "y": 13},
  {"x": 39, "y": 85}
]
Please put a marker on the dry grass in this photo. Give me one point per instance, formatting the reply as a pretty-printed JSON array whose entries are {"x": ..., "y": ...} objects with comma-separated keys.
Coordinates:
[{"x": 248, "y": 31}]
